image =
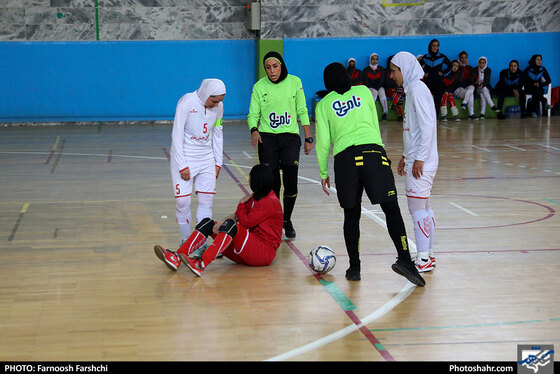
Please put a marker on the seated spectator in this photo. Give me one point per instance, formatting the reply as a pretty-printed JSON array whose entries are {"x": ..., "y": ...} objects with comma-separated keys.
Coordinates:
[
  {"x": 393, "y": 91},
  {"x": 451, "y": 83},
  {"x": 373, "y": 79},
  {"x": 354, "y": 73},
  {"x": 510, "y": 84},
  {"x": 536, "y": 79},
  {"x": 465, "y": 91},
  {"x": 482, "y": 83}
]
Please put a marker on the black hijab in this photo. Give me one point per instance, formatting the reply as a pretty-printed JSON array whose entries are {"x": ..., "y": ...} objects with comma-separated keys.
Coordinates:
[
  {"x": 261, "y": 180},
  {"x": 532, "y": 62},
  {"x": 430, "y": 47},
  {"x": 284, "y": 68},
  {"x": 336, "y": 78}
]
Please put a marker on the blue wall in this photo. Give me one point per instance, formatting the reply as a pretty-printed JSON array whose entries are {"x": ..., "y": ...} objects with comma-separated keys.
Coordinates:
[
  {"x": 109, "y": 81},
  {"x": 307, "y": 58},
  {"x": 106, "y": 81}
]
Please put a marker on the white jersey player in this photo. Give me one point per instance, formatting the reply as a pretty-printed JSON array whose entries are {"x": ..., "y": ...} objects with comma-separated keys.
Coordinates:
[
  {"x": 419, "y": 162},
  {"x": 197, "y": 151}
]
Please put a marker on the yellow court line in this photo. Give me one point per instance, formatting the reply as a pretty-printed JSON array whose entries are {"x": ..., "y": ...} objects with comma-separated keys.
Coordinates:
[
  {"x": 24, "y": 209},
  {"x": 56, "y": 143},
  {"x": 239, "y": 169}
]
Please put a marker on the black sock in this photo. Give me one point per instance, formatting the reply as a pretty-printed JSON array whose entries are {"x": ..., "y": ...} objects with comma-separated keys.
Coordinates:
[
  {"x": 289, "y": 203},
  {"x": 396, "y": 228},
  {"x": 352, "y": 235}
]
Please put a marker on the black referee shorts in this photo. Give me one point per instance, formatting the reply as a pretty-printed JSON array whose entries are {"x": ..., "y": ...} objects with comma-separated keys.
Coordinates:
[
  {"x": 363, "y": 167},
  {"x": 278, "y": 150}
]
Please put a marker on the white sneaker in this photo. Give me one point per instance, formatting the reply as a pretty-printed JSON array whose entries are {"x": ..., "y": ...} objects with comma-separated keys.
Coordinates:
[
  {"x": 433, "y": 259},
  {"x": 424, "y": 264}
]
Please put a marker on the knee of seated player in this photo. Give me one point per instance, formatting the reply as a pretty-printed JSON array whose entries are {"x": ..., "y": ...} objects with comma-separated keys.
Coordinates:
[
  {"x": 229, "y": 227},
  {"x": 205, "y": 226}
]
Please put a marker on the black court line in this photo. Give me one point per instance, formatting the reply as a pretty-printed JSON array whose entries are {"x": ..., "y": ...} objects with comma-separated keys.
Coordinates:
[
  {"x": 20, "y": 218},
  {"x": 60, "y": 150}
]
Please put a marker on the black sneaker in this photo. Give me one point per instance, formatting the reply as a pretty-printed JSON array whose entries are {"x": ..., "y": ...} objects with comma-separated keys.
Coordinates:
[
  {"x": 353, "y": 274},
  {"x": 407, "y": 269},
  {"x": 495, "y": 109},
  {"x": 289, "y": 230}
]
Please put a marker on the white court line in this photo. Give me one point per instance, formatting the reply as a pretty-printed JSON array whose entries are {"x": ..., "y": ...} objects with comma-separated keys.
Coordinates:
[
  {"x": 396, "y": 300},
  {"x": 463, "y": 209},
  {"x": 85, "y": 154},
  {"x": 514, "y": 147},
  {"x": 481, "y": 148},
  {"x": 247, "y": 154},
  {"x": 549, "y": 146}
]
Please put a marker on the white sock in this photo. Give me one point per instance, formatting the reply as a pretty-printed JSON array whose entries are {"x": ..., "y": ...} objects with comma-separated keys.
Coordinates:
[
  {"x": 431, "y": 216},
  {"x": 422, "y": 231},
  {"x": 204, "y": 209},
  {"x": 183, "y": 215}
]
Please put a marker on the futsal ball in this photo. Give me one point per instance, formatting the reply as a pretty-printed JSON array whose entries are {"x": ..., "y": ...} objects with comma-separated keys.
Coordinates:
[{"x": 322, "y": 259}]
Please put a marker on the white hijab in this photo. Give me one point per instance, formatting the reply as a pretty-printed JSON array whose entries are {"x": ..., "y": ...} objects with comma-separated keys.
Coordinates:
[
  {"x": 410, "y": 68},
  {"x": 481, "y": 72},
  {"x": 370, "y": 56},
  {"x": 210, "y": 87}
]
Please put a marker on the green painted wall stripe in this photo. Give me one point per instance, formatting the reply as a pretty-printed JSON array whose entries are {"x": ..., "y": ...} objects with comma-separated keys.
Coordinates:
[
  {"x": 263, "y": 46},
  {"x": 338, "y": 295},
  {"x": 96, "y": 19}
]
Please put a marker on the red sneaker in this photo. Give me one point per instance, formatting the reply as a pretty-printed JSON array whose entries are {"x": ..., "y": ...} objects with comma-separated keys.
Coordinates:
[
  {"x": 195, "y": 264},
  {"x": 433, "y": 259},
  {"x": 168, "y": 257}
]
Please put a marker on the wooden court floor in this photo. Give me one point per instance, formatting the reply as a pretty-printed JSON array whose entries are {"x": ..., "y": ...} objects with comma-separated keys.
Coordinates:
[{"x": 81, "y": 208}]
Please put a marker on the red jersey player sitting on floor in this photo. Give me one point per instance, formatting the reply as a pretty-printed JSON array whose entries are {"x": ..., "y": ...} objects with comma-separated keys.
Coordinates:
[{"x": 250, "y": 236}]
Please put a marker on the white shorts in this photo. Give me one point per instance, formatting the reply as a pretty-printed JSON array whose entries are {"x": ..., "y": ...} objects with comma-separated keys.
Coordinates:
[
  {"x": 203, "y": 179},
  {"x": 419, "y": 188}
]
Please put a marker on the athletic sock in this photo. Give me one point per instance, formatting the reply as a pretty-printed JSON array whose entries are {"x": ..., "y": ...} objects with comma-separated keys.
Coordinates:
[
  {"x": 351, "y": 229},
  {"x": 220, "y": 244},
  {"x": 422, "y": 230},
  {"x": 184, "y": 223},
  {"x": 396, "y": 228},
  {"x": 193, "y": 242},
  {"x": 289, "y": 204},
  {"x": 431, "y": 215}
]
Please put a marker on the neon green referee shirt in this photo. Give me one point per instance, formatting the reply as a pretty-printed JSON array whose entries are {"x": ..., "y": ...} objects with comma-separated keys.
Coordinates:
[{"x": 343, "y": 121}]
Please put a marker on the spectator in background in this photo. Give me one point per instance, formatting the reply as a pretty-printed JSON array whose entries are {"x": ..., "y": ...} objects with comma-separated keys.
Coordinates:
[
  {"x": 393, "y": 91},
  {"x": 465, "y": 91},
  {"x": 374, "y": 75},
  {"x": 482, "y": 83},
  {"x": 353, "y": 72},
  {"x": 536, "y": 79},
  {"x": 435, "y": 65},
  {"x": 510, "y": 84},
  {"x": 451, "y": 83}
]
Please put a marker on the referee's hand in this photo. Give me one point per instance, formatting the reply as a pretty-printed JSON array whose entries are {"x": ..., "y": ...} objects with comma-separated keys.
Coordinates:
[{"x": 326, "y": 184}]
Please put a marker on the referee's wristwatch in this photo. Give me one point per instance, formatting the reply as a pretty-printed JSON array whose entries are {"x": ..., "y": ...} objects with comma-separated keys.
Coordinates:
[{"x": 309, "y": 140}]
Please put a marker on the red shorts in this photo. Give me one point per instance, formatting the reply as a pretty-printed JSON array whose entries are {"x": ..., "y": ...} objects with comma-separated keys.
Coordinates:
[{"x": 248, "y": 249}]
